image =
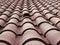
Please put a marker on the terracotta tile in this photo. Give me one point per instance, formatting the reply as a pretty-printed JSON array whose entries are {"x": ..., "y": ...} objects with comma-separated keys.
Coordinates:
[
  {"x": 31, "y": 34},
  {"x": 3, "y": 7},
  {"x": 45, "y": 11},
  {"x": 34, "y": 11},
  {"x": 42, "y": 8},
  {"x": 8, "y": 37},
  {"x": 19, "y": 6},
  {"x": 48, "y": 6},
  {"x": 46, "y": 27},
  {"x": 17, "y": 9},
  {"x": 55, "y": 20},
  {"x": 39, "y": 20},
  {"x": 13, "y": 21},
  {"x": 17, "y": 12},
  {"x": 2, "y": 23},
  {"x": 26, "y": 20},
  {"x": 38, "y": 3},
  {"x": 9, "y": 9},
  {"x": 32, "y": 8},
  {"x": 11, "y": 27},
  {"x": 3, "y": 17},
  {"x": 49, "y": 15},
  {"x": 55, "y": 35},
  {"x": 51, "y": 8},
  {"x": 1, "y": 10},
  {"x": 27, "y": 26},
  {"x": 7, "y": 13},
  {"x": 55, "y": 11},
  {"x": 36, "y": 15},
  {"x": 39, "y": 6},
  {"x": 15, "y": 16}
]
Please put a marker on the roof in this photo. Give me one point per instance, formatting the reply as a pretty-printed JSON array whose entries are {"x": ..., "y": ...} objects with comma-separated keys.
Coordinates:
[{"x": 29, "y": 22}]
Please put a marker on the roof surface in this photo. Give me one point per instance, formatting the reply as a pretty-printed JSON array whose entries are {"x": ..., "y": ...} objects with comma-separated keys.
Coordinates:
[{"x": 29, "y": 22}]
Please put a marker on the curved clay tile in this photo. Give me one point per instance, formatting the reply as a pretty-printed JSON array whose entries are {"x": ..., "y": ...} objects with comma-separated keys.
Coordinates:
[
  {"x": 39, "y": 6},
  {"x": 27, "y": 26},
  {"x": 35, "y": 16},
  {"x": 10, "y": 27},
  {"x": 33, "y": 8},
  {"x": 8, "y": 38},
  {"x": 53, "y": 37},
  {"x": 46, "y": 28},
  {"x": 7, "y": 13},
  {"x": 16, "y": 12},
  {"x": 50, "y": 8},
  {"x": 1, "y": 10},
  {"x": 41, "y": 9},
  {"x": 55, "y": 11},
  {"x": 17, "y": 9},
  {"x": 15, "y": 16},
  {"x": 2, "y": 22},
  {"x": 32, "y": 36},
  {"x": 26, "y": 20},
  {"x": 55, "y": 21},
  {"x": 45, "y": 11},
  {"x": 49, "y": 15},
  {"x": 13, "y": 20},
  {"x": 30, "y": 6},
  {"x": 9, "y": 9},
  {"x": 3, "y": 7},
  {"x": 39, "y": 20},
  {"x": 3, "y": 17},
  {"x": 33, "y": 12}
]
